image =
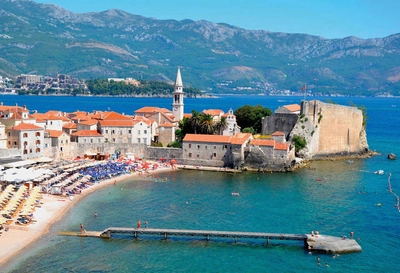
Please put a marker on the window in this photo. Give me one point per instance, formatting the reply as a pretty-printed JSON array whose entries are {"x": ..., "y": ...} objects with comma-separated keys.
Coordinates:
[
  {"x": 145, "y": 132},
  {"x": 84, "y": 140},
  {"x": 106, "y": 140},
  {"x": 138, "y": 140},
  {"x": 129, "y": 131},
  {"x": 30, "y": 150},
  {"x": 62, "y": 141},
  {"x": 9, "y": 143},
  {"x": 214, "y": 154},
  {"x": 45, "y": 145},
  {"x": 38, "y": 150},
  {"x": 25, "y": 135},
  {"x": 98, "y": 140},
  {"x": 138, "y": 132},
  {"x": 91, "y": 140},
  {"x": 66, "y": 141},
  {"x": 215, "y": 147},
  {"x": 15, "y": 143},
  {"x": 205, "y": 147},
  {"x": 226, "y": 146},
  {"x": 198, "y": 155},
  {"x": 198, "y": 146},
  {"x": 106, "y": 131},
  {"x": 120, "y": 133},
  {"x": 9, "y": 133},
  {"x": 37, "y": 134},
  {"x": 114, "y": 140},
  {"x": 145, "y": 140},
  {"x": 113, "y": 132},
  {"x": 190, "y": 145},
  {"x": 37, "y": 142},
  {"x": 25, "y": 152},
  {"x": 190, "y": 154}
]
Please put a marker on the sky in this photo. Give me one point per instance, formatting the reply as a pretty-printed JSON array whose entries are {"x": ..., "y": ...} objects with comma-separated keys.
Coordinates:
[{"x": 327, "y": 18}]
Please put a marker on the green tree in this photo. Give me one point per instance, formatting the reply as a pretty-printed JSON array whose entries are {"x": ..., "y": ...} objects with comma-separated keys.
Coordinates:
[
  {"x": 207, "y": 124},
  {"x": 221, "y": 125},
  {"x": 194, "y": 122},
  {"x": 251, "y": 116}
]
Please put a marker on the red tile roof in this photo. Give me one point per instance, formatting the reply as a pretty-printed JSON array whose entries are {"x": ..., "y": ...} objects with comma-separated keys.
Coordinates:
[
  {"x": 70, "y": 125},
  {"x": 25, "y": 127},
  {"x": 263, "y": 142},
  {"x": 278, "y": 133},
  {"x": 113, "y": 116},
  {"x": 293, "y": 107},
  {"x": 207, "y": 138},
  {"x": 86, "y": 133},
  {"x": 240, "y": 138},
  {"x": 213, "y": 112},
  {"x": 281, "y": 146},
  {"x": 149, "y": 109},
  {"x": 55, "y": 133},
  {"x": 89, "y": 122}
]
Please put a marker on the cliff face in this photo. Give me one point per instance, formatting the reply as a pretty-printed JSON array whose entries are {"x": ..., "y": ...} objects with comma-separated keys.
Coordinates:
[{"x": 330, "y": 130}]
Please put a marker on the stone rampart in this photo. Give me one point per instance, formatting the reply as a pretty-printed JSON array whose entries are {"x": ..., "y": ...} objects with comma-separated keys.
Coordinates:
[
  {"x": 80, "y": 149},
  {"x": 279, "y": 122},
  {"x": 156, "y": 153},
  {"x": 330, "y": 129}
]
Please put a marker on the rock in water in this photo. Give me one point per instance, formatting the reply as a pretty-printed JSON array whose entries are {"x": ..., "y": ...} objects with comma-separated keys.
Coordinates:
[{"x": 392, "y": 156}]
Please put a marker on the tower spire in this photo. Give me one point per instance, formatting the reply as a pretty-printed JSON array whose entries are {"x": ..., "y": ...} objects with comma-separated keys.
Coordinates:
[
  {"x": 177, "y": 102},
  {"x": 178, "y": 81}
]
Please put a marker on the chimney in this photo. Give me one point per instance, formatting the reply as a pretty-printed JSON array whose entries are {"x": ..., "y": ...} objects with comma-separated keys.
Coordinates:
[
  {"x": 24, "y": 106},
  {"x": 101, "y": 116}
]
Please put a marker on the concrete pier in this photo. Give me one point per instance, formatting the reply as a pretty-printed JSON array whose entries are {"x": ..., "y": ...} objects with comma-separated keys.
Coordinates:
[{"x": 320, "y": 243}]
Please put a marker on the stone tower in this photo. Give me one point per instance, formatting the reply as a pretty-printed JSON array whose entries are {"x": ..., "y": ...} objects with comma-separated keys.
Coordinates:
[{"x": 177, "y": 103}]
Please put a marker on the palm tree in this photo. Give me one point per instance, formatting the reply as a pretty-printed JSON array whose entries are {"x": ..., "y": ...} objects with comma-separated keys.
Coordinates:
[
  {"x": 221, "y": 125},
  {"x": 207, "y": 124},
  {"x": 194, "y": 122}
]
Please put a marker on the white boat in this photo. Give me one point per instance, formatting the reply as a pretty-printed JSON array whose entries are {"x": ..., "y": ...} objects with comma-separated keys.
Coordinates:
[
  {"x": 380, "y": 172},
  {"x": 235, "y": 194}
]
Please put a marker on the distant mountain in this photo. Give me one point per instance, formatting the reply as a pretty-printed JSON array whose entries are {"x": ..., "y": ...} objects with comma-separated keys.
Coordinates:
[{"x": 47, "y": 39}]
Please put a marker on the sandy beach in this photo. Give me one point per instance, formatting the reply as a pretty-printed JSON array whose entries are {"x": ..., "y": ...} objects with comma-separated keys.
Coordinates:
[{"x": 53, "y": 208}]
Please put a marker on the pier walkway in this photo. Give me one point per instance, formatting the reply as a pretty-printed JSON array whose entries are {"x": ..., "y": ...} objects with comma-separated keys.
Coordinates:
[{"x": 320, "y": 243}]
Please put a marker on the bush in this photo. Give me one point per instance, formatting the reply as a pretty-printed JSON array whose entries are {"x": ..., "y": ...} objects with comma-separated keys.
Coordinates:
[
  {"x": 299, "y": 142},
  {"x": 248, "y": 130}
]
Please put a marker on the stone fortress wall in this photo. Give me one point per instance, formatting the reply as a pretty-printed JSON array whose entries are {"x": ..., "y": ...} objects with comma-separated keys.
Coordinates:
[{"x": 330, "y": 130}]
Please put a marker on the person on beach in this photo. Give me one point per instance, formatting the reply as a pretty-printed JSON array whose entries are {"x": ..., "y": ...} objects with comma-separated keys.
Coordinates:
[
  {"x": 138, "y": 223},
  {"x": 115, "y": 182},
  {"x": 351, "y": 234},
  {"x": 146, "y": 224},
  {"x": 81, "y": 228},
  {"x": 95, "y": 215}
]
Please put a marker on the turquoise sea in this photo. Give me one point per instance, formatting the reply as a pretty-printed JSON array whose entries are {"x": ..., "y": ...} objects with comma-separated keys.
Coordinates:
[{"x": 345, "y": 200}]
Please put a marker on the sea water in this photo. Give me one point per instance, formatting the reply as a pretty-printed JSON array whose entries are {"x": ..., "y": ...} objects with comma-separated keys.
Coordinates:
[{"x": 332, "y": 197}]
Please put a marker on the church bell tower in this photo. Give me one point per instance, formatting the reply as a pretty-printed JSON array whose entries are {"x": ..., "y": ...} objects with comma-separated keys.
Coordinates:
[{"x": 177, "y": 103}]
